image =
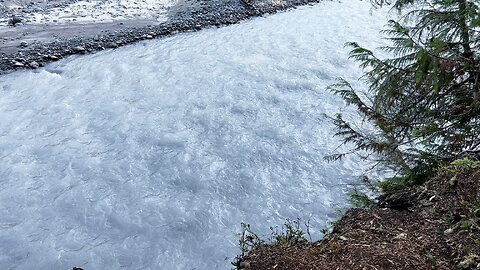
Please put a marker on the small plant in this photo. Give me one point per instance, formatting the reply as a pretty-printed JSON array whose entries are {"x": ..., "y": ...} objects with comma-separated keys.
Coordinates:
[
  {"x": 461, "y": 166},
  {"x": 326, "y": 229},
  {"x": 360, "y": 199},
  {"x": 329, "y": 227},
  {"x": 471, "y": 219},
  {"x": 477, "y": 241},
  {"x": 291, "y": 234},
  {"x": 247, "y": 240},
  {"x": 416, "y": 177}
]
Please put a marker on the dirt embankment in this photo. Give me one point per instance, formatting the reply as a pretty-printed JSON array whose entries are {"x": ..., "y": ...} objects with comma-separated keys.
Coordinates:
[
  {"x": 32, "y": 42},
  {"x": 435, "y": 226}
]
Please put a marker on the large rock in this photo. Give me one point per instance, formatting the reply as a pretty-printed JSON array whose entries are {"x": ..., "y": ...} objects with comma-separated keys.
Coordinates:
[{"x": 14, "y": 20}]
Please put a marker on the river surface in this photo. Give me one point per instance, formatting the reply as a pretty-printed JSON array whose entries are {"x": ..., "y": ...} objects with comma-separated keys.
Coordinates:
[{"x": 150, "y": 156}]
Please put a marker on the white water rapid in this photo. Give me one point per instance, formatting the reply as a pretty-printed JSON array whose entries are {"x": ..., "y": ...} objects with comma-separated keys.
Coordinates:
[{"x": 150, "y": 156}]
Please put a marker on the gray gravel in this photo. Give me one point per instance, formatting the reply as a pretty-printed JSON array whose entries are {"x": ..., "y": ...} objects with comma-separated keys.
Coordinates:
[{"x": 34, "y": 45}]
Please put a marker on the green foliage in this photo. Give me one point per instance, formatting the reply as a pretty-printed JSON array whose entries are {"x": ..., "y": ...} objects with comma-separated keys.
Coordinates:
[
  {"x": 247, "y": 240},
  {"x": 290, "y": 234},
  {"x": 359, "y": 199},
  {"x": 415, "y": 177},
  {"x": 470, "y": 221},
  {"x": 425, "y": 99},
  {"x": 461, "y": 166},
  {"x": 396, "y": 184}
]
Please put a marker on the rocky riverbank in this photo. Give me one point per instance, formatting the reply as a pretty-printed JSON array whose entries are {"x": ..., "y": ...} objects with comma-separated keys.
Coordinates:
[
  {"x": 33, "y": 43},
  {"x": 433, "y": 226}
]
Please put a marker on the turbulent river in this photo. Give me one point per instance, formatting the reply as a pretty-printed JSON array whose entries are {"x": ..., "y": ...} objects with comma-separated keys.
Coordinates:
[{"x": 150, "y": 156}]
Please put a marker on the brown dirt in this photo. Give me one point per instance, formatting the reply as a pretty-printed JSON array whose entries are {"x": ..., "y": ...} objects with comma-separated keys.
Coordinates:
[{"x": 440, "y": 230}]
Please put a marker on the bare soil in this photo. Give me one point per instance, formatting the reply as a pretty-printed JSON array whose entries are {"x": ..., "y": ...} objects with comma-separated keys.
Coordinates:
[{"x": 439, "y": 230}]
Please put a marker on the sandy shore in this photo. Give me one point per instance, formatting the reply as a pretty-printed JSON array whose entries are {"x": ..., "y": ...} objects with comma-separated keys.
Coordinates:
[{"x": 51, "y": 30}]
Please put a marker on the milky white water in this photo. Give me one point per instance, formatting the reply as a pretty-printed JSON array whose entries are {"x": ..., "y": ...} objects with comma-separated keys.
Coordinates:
[{"x": 150, "y": 156}]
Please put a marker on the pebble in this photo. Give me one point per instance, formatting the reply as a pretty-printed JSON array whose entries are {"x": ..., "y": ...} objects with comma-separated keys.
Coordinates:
[
  {"x": 401, "y": 236},
  {"x": 23, "y": 44},
  {"x": 34, "y": 64},
  {"x": 448, "y": 231},
  {"x": 79, "y": 49}
]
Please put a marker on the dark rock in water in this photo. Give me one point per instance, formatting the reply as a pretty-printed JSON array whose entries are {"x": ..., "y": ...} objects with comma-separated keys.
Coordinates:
[
  {"x": 23, "y": 44},
  {"x": 14, "y": 20},
  {"x": 77, "y": 268}
]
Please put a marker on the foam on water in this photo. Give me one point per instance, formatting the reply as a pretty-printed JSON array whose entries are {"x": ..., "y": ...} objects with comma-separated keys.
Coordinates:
[{"x": 150, "y": 156}]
